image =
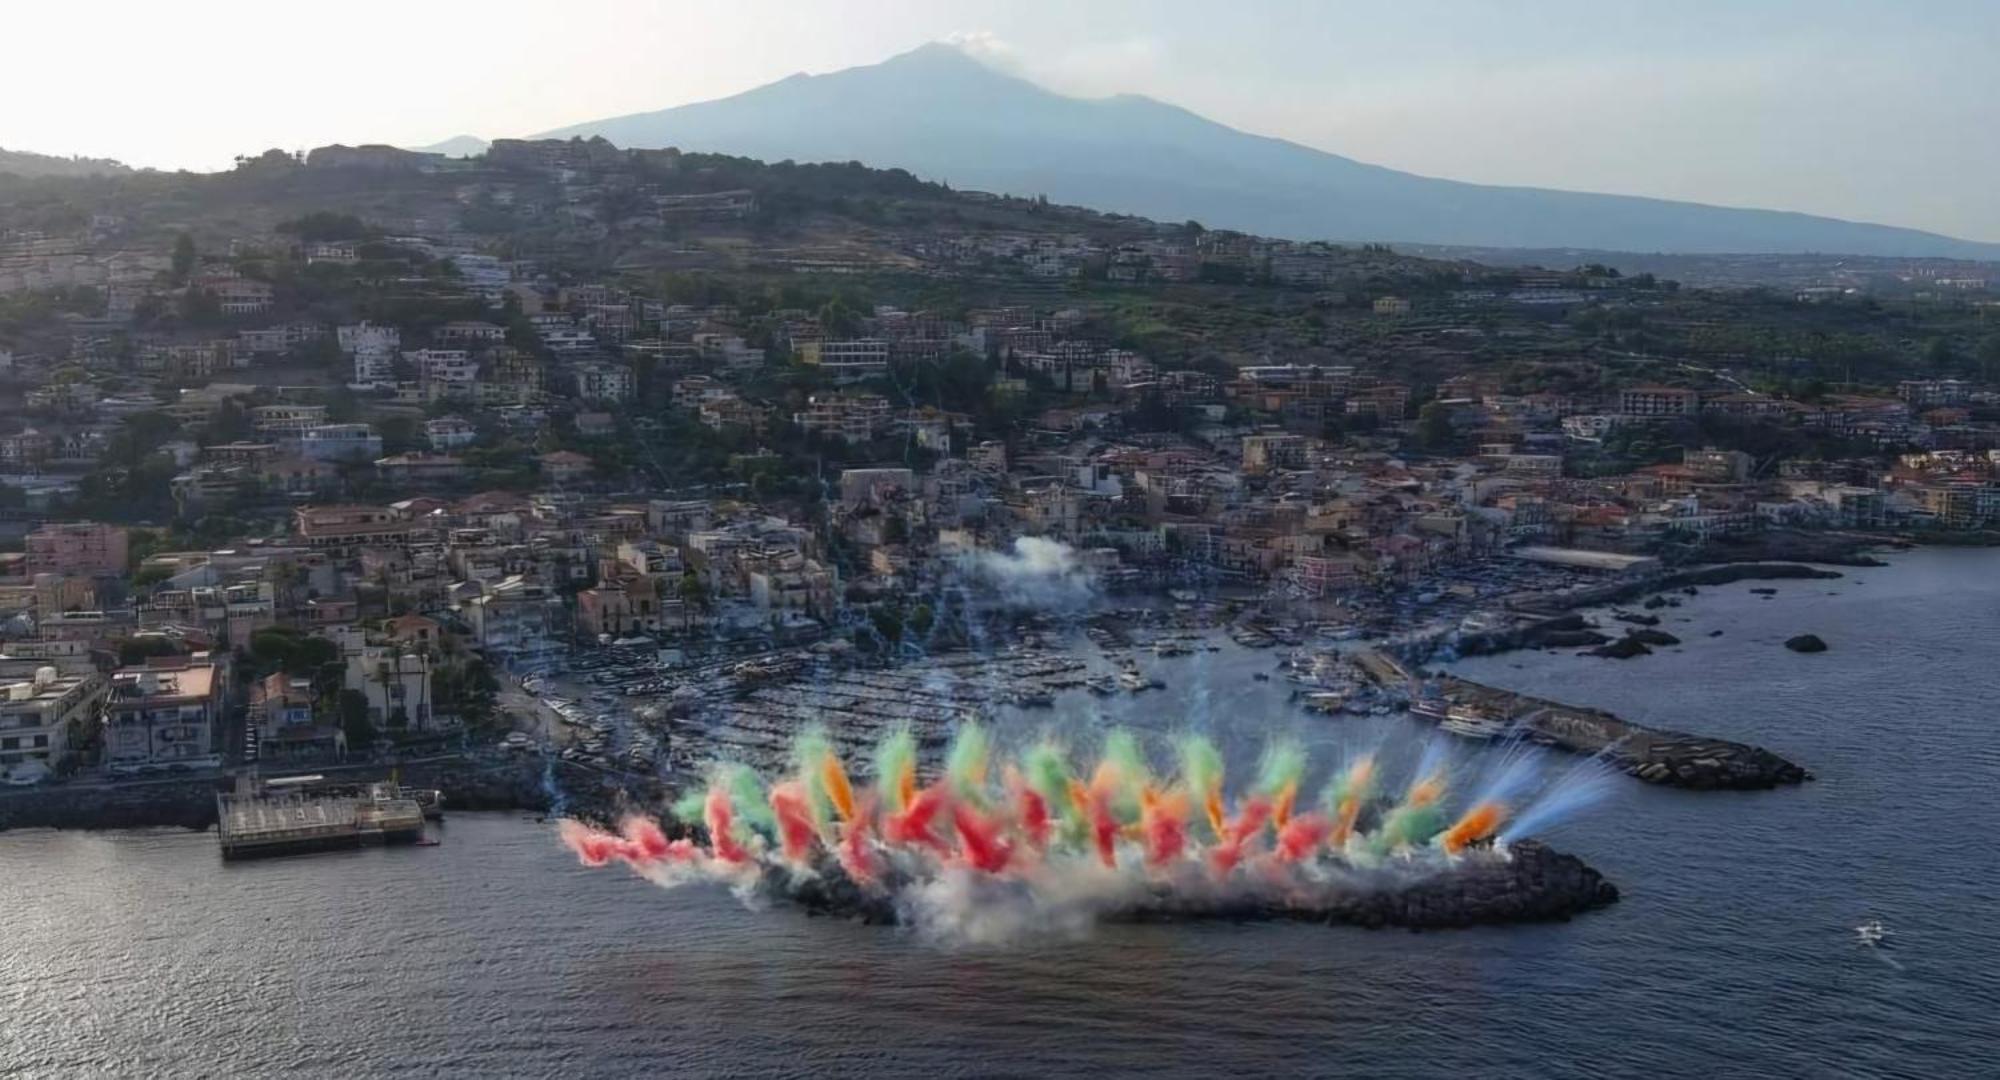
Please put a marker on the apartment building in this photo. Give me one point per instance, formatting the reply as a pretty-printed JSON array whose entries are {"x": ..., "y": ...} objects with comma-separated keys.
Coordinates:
[
  {"x": 77, "y": 549},
  {"x": 44, "y": 718},
  {"x": 163, "y": 715}
]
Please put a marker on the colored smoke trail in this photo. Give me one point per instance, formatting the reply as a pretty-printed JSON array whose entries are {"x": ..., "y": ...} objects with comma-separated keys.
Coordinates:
[
  {"x": 1578, "y": 789},
  {"x": 1042, "y": 843},
  {"x": 896, "y": 769},
  {"x": 1201, "y": 770}
]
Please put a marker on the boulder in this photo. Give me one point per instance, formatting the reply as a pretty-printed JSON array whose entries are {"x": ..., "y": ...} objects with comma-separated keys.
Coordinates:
[
  {"x": 1805, "y": 643},
  {"x": 1624, "y": 648},
  {"x": 1650, "y": 636}
]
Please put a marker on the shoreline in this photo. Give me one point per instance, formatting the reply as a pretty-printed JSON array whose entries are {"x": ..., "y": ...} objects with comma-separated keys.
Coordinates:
[{"x": 469, "y": 784}]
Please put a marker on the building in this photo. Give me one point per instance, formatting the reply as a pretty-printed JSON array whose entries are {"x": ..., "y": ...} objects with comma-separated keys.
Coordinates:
[
  {"x": 395, "y": 684},
  {"x": 598, "y": 380},
  {"x": 449, "y": 433},
  {"x": 281, "y": 713},
  {"x": 374, "y": 351},
  {"x": 847, "y": 361},
  {"x": 618, "y": 610},
  {"x": 163, "y": 715},
  {"x": 1658, "y": 401},
  {"x": 1391, "y": 305},
  {"x": 340, "y": 442},
  {"x": 43, "y": 719},
  {"x": 240, "y": 296},
  {"x": 1932, "y": 393},
  {"x": 286, "y": 421},
  {"x": 77, "y": 549},
  {"x": 853, "y": 418},
  {"x": 1717, "y": 466},
  {"x": 514, "y": 618},
  {"x": 342, "y": 530},
  {"x": 1271, "y": 453}
]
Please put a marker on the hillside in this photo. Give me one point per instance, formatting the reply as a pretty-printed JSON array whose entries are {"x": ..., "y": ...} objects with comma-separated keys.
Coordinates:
[
  {"x": 944, "y": 116},
  {"x": 23, "y": 163}
]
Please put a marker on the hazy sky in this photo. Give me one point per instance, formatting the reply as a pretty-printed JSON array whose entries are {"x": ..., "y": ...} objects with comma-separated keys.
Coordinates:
[{"x": 1885, "y": 111}]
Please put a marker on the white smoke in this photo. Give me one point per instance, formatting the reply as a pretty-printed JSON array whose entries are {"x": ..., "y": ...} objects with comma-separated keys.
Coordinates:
[
  {"x": 1038, "y": 573},
  {"x": 960, "y": 906}
]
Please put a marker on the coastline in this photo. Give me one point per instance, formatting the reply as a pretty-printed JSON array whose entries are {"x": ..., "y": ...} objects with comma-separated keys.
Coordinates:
[{"x": 467, "y": 783}]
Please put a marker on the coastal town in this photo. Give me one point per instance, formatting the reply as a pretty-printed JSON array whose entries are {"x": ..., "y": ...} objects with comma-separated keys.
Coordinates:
[{"x": 360, "y": 459}]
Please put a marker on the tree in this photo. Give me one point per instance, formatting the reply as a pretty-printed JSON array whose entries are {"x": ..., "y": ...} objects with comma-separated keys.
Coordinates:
[
  {"x": 353, "y": 707},
  {"x": 184, "y": 258},
  {"x": 1938, "y": 354},
  {"x": 1434, "y": 428},
  {"x": 1989, "y": 356}
]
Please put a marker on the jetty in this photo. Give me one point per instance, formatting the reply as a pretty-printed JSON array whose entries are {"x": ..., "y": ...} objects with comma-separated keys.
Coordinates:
[
  {"x": 1654, "y": 755},
  {"x": 298, "y": 814}
]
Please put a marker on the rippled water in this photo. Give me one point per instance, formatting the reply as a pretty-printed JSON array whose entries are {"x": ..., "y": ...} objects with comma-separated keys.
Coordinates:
[{"x": 1732, "y": 954}]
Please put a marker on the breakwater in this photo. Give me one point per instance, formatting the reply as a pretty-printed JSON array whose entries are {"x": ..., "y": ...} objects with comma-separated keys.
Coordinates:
[
  {"x": 1531, "y": 882},
  {"x": 1614, "y": 592},
  {"x": 1656, "y": 756}
]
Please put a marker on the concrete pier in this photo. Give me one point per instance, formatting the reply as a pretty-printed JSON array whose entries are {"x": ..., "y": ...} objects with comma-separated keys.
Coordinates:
[{"x": 285, "y": 817}]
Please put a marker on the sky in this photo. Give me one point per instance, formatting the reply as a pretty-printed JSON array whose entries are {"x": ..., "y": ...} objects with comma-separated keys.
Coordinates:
[{"x": 1879, "y": 111}]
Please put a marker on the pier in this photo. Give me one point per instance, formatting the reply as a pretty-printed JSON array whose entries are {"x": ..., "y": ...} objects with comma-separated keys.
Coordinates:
[{"x": 300, "y": 814}]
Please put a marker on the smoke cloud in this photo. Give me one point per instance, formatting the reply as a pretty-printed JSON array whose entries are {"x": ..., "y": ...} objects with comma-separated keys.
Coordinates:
[{"x": 1037, "y": 573}]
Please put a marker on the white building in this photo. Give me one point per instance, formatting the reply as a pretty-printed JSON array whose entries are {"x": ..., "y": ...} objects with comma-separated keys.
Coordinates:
[
  {"x": 374, "y": 351},
  {"x": 847, "y": 361},
  {"x": 449, "y": 433},
  {"x": 340, "y": 442},
  {"x": 396, "y": 684},
  {"x": 43, "y": 718}
]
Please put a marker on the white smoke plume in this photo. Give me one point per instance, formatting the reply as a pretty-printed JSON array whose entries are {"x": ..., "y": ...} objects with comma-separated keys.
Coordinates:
[{"x": 1038, "y": 573}]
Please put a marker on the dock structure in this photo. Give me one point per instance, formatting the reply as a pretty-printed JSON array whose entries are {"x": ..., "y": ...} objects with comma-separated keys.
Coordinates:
[{"x": 299, "y": 814}]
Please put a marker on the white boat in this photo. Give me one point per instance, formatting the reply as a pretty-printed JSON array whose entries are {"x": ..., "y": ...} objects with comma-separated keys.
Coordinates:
[
  {"x": 1473, "y": 722},
  {"x": 1132, "y": 680},
  {"x": 1434, "y": 709},
  {"x": 1325, "y": 701}
]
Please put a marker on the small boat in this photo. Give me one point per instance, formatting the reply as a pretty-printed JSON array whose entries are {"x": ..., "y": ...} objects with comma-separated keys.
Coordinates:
[
  {"x": 1473, "y": 722},
  {"x": 1101, "y": 685},
  {"x": 1327, "y": 702},
  {"x": 1434, "y": 709},
  {"x": 1871, "y": 932},
  {"x": 1132, "y": 680}
]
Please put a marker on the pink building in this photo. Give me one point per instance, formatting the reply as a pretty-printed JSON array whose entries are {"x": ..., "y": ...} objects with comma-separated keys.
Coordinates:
[{"x": 77, "y": 548}]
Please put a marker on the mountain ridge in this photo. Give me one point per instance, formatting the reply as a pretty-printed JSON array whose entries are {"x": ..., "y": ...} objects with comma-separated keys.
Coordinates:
[{"x": 943, "y": 115}]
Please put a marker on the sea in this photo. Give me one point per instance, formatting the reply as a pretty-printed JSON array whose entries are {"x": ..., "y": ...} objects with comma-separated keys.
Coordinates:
[{"x": 1733, "y": 952}]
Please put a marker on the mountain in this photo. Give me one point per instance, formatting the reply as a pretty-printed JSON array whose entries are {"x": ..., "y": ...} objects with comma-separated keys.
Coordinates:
[
  {"x": 943, "y": 115},
  {"x": 456, "y": 146},
  {"x": 23, "y": 163}
]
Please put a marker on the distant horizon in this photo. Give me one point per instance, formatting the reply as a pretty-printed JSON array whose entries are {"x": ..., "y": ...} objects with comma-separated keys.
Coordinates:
[{"x": 1707, "y": 103}]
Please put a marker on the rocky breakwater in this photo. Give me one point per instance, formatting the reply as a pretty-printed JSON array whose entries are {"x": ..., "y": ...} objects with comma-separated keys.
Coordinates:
[
  {"x": 1655, "y": 755},
  {"x": 141, "y": 804},
  {"x": 1530, "y": 882}
]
